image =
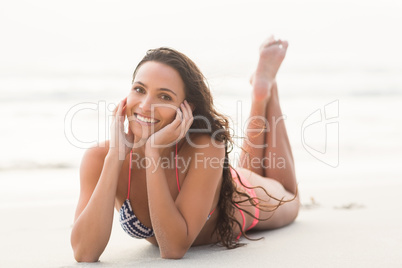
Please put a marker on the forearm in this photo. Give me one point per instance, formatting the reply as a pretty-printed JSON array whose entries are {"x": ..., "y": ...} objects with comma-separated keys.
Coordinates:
[
  {"x": 92, "y": 229},
  {"x": 168, "y": 223}
]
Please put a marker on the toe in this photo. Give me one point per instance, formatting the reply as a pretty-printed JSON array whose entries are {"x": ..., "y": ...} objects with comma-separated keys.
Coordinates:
[
  {"x": 270, "y": 39},
  {"x": 267, "y": 42},
  {"x": 285, "y": 44}
]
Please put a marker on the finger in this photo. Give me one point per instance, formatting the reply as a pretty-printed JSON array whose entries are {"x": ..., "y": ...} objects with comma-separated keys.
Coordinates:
[
  {"x": 185, "y": 116},
  {"x": 180, "y": 131},
  {"x": 124, "y": 109},
  {"x": 124, "y": 101},
  {"x": 119, "y": 108},
  {"x": 185, "y": 112},
  {"x": 178, "y": 119},
  {"x": 181, "y": 127},
  {"x": 187, "y": 119},
  {"x": 190, "y": 118},
  {"x": 123, "y": 104},
  {"x": 190, "y": 110},
  {"x": 120, "y": 115},
  {"x": 115, "y": 113},
  {"x": 115, "y": 110},
  {"x": 179, "y": 114}
]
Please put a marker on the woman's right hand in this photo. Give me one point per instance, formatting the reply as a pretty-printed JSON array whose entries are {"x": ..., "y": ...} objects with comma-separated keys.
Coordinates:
[{"x": 120, "y": 143}]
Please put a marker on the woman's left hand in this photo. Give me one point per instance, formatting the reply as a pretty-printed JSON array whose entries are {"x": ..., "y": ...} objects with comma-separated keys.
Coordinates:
[{"x": 174, "y": 131}]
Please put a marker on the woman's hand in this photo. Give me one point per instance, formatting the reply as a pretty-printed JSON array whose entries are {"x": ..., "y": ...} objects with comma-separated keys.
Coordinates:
[
  {"x": 120, "y": 142},
  {"x": 174, "y": 131}
]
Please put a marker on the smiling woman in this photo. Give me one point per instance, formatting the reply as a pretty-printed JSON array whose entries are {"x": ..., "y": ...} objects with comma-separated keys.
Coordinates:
[
  {"x": 172, "y": 120},
  {"x": 152, "y": 103}
]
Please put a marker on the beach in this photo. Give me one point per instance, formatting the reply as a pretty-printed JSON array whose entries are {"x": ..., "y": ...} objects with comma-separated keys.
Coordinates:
[
  {"x": 65, "y": 67},
  {"x": 349, "y": 215},
  {"x": 353, "y": 224}
]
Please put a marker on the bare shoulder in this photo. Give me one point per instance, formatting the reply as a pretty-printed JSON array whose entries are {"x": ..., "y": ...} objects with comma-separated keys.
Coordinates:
[
  {"x": 92, "y": 161},
  {"x": 205, "y": 144},
  {"x": 90, "y": 170}
]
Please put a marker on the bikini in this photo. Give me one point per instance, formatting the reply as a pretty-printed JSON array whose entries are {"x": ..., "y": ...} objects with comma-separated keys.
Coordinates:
[
  {"x": 133, "y": 227},
  {"x": 252, "y": 194},
  {"x": 129, "y": 222}
]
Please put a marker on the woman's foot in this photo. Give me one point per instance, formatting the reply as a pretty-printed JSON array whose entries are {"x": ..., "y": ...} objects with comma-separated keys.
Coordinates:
[{"x": 272, "y": 53}]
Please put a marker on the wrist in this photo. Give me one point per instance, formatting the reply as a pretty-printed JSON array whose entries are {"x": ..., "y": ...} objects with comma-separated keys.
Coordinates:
[
  {"x": 151, "y": 151},
  {"x": 116, "y": 156}
]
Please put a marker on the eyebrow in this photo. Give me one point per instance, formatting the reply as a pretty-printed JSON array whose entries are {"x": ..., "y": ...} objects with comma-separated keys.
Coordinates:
[{"x": 162, "y": 89}]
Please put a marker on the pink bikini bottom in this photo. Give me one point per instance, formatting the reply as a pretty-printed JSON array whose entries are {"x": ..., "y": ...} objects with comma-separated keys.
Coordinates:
[{"x": 252, "y": 194}]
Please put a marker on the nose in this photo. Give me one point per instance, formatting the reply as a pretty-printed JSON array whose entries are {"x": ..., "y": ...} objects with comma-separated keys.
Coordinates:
[{"x": 146, "y": 104}]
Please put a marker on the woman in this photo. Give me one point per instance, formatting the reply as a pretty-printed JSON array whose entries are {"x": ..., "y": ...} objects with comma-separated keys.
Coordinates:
[{"x": 171, "y": 167}]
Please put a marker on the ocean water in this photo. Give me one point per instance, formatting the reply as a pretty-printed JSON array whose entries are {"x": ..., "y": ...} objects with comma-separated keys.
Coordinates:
[{"x": 64, "y": 65}]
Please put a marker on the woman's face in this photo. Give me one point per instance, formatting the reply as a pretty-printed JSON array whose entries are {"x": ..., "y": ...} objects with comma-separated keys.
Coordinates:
[{"x": 156, "y": 93}]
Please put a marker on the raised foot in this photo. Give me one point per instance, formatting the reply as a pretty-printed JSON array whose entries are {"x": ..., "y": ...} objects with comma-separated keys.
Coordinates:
[{"x": 272, "y": 53}]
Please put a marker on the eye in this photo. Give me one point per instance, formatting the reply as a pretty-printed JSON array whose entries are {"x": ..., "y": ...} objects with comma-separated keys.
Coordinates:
[
  {"x": 139, "y": 90},
  {"x": 166, "y": 97}
]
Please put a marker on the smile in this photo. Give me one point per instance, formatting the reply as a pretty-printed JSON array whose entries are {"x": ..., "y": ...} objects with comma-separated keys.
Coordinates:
[{"x": 144, "y": 119}]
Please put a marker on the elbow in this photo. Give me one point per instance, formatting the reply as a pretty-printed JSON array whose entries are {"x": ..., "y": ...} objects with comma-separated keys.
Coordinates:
[
  {"x": 173, "y": 253},
  {"x": 83, "y": 258},
  {"x": 82, "y": 254}
]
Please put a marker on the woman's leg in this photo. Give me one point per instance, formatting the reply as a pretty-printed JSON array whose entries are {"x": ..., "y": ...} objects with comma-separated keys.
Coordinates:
[
  {"x": 253, "y": 145},
  {"x": 267, "y": 150},
  {"x": 278, "y": 162}
]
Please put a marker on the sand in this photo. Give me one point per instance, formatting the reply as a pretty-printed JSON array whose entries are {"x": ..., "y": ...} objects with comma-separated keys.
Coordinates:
[
  {"x": 346, "y": 224},
  {"x": 351, "y": 215}
]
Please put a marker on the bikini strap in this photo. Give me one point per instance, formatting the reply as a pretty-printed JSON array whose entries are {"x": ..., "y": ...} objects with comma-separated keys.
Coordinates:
[
  {"x": 129, "y": 175},
  {"x": 177, "y": 172}
]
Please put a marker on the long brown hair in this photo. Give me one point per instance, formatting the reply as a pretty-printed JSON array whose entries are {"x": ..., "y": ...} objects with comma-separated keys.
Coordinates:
[{"x": 198, "y": 94}]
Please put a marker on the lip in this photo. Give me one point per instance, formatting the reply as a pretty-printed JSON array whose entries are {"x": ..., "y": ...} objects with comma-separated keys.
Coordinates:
[{"x": 145, "y": 123}]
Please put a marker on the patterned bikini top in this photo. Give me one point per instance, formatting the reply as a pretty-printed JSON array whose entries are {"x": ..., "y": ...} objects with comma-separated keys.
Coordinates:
[{"x": 129, "y": 222}]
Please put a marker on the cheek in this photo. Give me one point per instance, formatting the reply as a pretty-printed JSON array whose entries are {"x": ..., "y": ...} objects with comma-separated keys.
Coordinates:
[
  {"x": 130, "y": 97},
  {"x": 131, "y": 101},
  {"x": 168, "y": 114}
]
